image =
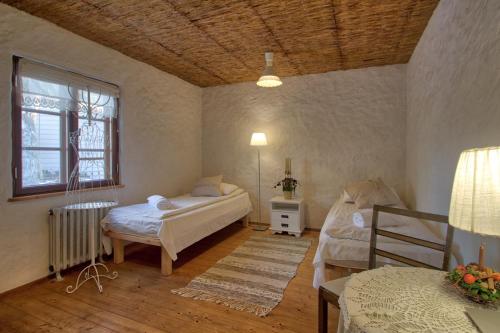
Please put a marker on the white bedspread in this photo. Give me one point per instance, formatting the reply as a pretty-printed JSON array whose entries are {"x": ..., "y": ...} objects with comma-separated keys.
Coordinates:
[
  {"x": 196, "y": 218},
  {"x": 350, "y": 246},
  {"x": 186, "y": 203}
]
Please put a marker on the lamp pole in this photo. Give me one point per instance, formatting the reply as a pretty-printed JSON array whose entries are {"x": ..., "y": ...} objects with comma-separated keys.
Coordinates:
[
  {"x": 257, "y": 140},
  {"x": 258, "y": 204}
]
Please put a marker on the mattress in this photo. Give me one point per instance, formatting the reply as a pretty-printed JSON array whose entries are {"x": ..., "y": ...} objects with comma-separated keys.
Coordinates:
[
  {"x": 349, "y": 247},
  {"x": 178, "y": 231}
]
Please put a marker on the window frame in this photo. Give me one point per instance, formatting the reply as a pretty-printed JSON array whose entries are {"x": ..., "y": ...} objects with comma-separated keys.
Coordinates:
[{"x": 67, "y": 152}]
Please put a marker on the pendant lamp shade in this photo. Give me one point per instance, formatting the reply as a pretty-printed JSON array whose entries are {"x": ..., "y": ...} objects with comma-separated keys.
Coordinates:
[
  {"x": 269, "y": 79},
  {"x": 475, "y": 199}
]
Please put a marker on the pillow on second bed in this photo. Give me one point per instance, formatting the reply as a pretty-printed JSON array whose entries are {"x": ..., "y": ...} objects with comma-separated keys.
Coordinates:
[
  {"x": 208, "y": 187},
  {"x": 347, "y": 198},
  {"x": 367, "y": 193}
]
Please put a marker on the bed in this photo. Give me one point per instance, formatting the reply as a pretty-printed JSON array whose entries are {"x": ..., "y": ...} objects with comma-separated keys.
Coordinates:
[
  {"x": 193, "y": 219},
  {"x": 343, "y": 244}
]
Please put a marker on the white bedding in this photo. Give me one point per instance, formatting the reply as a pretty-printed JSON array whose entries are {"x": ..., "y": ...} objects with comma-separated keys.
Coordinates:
[
  {"x": 350, "y": 246},
  {"x": 196, "y": 218}
]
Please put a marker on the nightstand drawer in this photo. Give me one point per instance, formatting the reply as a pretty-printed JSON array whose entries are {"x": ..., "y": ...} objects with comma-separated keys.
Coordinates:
[{"x": 285, "y": 220}]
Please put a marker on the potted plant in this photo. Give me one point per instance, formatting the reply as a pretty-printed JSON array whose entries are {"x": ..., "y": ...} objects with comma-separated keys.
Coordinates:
[{"x": 287, "y": 184}]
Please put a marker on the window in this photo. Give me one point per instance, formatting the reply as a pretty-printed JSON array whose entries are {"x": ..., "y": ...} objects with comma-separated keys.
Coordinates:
[{"x": 65, "y": 130}]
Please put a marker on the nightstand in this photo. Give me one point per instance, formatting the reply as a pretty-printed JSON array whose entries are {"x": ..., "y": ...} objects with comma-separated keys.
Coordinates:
[{"x": 287, "y": 215}]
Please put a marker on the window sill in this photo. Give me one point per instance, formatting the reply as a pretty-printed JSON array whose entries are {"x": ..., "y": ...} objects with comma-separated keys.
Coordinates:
[{"x": 56, "y": 194}]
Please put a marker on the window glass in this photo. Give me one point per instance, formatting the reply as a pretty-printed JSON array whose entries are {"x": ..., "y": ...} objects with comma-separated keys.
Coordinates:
[
  {"x": 41, "y": 167},
  {"x": 41, "y": 130}
]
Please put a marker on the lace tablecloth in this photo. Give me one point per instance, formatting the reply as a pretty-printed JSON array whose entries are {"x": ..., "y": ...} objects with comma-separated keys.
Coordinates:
[{"x": 403, "y": 299}]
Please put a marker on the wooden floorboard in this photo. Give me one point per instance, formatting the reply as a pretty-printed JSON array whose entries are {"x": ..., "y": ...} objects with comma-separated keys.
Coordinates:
[{"x": 139, "y": 300}]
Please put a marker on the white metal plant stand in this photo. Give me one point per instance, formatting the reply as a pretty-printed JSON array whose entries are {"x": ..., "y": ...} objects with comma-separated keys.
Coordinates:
[
  {"x": 91, "y": 272},
  {"x": 90, "y": 142}
]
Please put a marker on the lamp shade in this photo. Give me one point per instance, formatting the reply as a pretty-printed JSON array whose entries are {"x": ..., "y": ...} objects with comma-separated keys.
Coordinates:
[
  {"x": 269, "y": 81},
  {"x": 475, "y": 198},
  {"x": 258, "y": 139}
]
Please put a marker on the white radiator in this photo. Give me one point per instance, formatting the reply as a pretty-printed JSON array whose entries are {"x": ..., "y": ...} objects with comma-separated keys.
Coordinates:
[{"x": 69, "y": 237}]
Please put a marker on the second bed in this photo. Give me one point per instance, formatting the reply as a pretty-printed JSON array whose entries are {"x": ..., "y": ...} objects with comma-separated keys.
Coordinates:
[{"x": 343, "y": 244}]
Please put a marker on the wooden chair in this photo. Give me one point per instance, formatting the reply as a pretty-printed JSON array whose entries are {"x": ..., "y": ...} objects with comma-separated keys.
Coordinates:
[
  {"x": 374, "y": 251},
  {"x": 329, "y": 292}
]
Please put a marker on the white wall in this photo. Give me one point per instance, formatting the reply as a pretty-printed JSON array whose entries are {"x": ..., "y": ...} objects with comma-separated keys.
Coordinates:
[
  {"x": 337, "y": 127},
  {"x": 453, "y": 102},
  {"x": 160, "y": 133}
]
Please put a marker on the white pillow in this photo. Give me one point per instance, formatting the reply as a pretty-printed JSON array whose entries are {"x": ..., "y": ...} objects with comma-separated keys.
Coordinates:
[
  {"x": 208, "y": 187},
  {"x": 227, "y": 188},
  {"x": 347, "y": 198},
  {"x": 367, "y": 193},
  {"x": 160, "y": 202}
]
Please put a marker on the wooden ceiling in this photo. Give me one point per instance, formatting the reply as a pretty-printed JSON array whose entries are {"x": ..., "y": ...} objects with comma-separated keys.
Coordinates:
[{"x": 218, "y": 42}]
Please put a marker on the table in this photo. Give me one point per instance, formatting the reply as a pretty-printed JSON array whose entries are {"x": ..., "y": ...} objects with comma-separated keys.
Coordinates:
[{"x": 403, "y": 299}]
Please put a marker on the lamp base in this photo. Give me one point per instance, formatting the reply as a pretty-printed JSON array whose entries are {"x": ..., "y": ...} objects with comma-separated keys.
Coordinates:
[{"x": 260, "y": 227}]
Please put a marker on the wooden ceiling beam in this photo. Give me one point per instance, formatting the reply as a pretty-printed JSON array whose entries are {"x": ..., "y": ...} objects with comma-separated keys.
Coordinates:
[
  {"x": 336, "y": 32},
  {"x": 409, "y": 10}
]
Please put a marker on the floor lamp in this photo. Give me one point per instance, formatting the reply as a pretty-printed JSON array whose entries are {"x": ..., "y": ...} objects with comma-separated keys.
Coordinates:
[{"x": 258, "y": 140}]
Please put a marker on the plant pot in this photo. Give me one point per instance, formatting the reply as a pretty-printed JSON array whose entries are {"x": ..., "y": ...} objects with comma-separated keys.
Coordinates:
[{"x": 288, "y": 195}]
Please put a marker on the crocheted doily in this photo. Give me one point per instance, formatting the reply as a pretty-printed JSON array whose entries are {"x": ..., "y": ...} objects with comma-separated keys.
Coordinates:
[{"x": 404, "y": 299}]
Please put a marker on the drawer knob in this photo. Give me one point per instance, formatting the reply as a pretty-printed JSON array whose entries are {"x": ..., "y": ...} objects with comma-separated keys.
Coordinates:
[
  {"x": 284, "y": 216},
  {"x": 284, "y": 225}
]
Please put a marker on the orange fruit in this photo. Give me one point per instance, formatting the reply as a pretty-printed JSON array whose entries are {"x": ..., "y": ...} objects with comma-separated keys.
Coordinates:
[{"x": 469, "y": 278}]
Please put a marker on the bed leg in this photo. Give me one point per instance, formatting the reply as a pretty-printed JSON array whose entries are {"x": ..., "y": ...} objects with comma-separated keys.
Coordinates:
[
  {"x": 166, "y": 262},
  {"x": 118, "y": 251},
  {"x": 245, "y": 220}
]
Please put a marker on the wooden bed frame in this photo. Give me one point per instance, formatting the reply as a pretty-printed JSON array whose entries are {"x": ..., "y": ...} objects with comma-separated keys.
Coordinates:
[{"x": 166, "y": 262}]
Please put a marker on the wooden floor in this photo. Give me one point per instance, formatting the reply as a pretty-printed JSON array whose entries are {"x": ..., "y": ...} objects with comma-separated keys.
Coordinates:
[{"x": 139, "y": 300}]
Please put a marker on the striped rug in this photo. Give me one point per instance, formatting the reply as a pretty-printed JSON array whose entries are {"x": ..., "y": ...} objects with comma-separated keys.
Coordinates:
[{"x": 253, "y": 277}]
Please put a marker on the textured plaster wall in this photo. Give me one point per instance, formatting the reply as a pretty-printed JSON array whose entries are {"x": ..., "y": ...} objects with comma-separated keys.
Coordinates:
[
  {"x": 337, "y": 127},
  {"x": 160, "y": 134},
  {"x": 453, "y": 102}
]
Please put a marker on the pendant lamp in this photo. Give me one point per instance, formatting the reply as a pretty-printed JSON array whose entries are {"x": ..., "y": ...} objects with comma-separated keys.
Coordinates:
[{"x": 269, "y": 79}]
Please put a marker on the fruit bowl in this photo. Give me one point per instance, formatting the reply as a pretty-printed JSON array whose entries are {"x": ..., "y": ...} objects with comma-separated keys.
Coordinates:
[{"x": 481, "y": 286}]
